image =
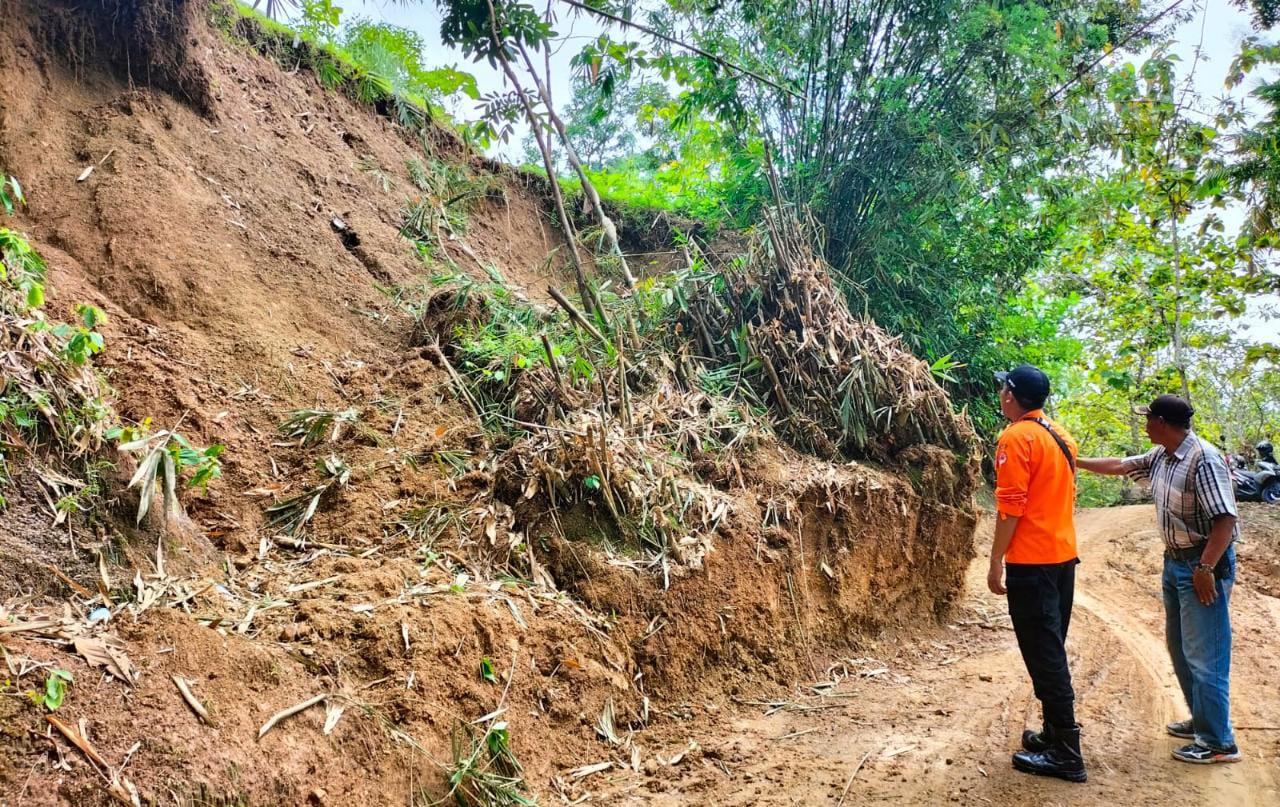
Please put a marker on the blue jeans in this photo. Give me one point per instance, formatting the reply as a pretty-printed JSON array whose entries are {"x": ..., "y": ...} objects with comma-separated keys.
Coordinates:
[{"x": 1199, "y": 638}]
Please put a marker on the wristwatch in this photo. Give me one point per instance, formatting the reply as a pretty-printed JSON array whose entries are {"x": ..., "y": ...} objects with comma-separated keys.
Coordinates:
[{"x": 1204, "y": 567}]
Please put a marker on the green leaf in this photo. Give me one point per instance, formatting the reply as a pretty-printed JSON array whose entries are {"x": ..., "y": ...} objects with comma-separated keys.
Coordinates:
[
  {"x": 486, "y": 670},
  {"x": 90, "y": 315},
  {"x": 55, "y": 689}
]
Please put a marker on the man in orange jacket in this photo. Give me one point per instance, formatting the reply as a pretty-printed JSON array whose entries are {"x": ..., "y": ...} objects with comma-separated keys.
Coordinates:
[{"x": 1033, "y": 560}]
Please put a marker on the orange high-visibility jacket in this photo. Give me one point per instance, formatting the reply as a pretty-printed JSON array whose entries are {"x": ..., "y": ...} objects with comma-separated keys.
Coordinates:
[{"x": 1034, "y": 482}]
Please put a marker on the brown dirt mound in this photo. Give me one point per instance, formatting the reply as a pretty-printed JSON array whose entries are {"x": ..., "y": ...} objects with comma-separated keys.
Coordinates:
[{"x": 238, "y": 248}]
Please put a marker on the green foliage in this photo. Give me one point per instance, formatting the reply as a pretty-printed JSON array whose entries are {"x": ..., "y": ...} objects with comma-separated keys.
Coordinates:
[
  {"x": 55, "y": 690},
  {"x": 487, "y": 672},
  {"x": 166, "y": 457},
  {"x": 22, "y": 274},
  {"x": 467, "y": 25},
  {"x": 485, "y": 771},
  {"x": 395, "y": 55},
  {"x": 930, "y": 165},
  {"x": 368, "y": 164},
  {"x": 1266, "y": 13},
  {"x": 80, "y": 340},
  {"x": 1158, "y": 278},
  {"x": 1251, "y": 171},
  {"x": 449, "y": 190},
  {"x": 1093, "y": 490},
  {"x": 48, "y": 393},
  {"x": 319, "y": 20},
  {"x": 376, "y": 63},
  {"x": 10, "y": 193},
  {"x": 637, "y": 153}
]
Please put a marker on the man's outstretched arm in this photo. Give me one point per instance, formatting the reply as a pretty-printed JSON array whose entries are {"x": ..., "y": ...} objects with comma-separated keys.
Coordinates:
[{"x": 1107, "y": 466}]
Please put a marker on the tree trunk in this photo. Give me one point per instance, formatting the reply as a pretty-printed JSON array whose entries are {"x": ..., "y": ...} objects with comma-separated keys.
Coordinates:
[
  {"x": 584, "y": 290},
  {"x": 588, "y": 189},
  {"x": 1177, "y": 306}
]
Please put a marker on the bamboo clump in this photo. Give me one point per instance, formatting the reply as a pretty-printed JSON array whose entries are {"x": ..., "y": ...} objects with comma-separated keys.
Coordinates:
[
  {"x": 838, "y": 384},
  {"x": 637, "y": 435}
]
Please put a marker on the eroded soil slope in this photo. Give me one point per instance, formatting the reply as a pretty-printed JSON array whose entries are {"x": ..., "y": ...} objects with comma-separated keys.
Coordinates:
[{"x": 241, "y": 228}]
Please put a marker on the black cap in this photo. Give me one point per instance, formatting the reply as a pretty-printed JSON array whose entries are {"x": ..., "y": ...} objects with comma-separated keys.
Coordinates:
[
  {"x": 1168, "y": 407},
  {"x": 1029, "y": 384}
]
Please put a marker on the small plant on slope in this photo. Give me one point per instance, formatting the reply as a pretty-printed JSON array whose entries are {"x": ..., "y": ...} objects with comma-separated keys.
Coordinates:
[
  {"x": 485, "y": 772},
  {"x": 165, "y": 456},
  {"x": 10, "y": 193},
  {"x": 294, "y": 513},
  {"x": 49, "y": 393},
  {"x": 23, "y": 270},
  {"x": 316, "y": 425},
  {"x": 55, "y": 690}
]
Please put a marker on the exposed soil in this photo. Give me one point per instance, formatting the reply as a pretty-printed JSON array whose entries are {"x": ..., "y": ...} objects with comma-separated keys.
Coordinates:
[
  {"x": 932, "y": 718},
  {"x": 244, "y": 258},
  {"x": 826, "y": 645}
]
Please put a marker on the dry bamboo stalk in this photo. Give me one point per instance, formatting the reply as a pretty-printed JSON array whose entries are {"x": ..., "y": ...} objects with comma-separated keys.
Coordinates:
[
  {"x": 598, "y": 456},
  {"x": 624, "y": 404},
  {"x": 635, "y": 335},
  {"x": 849, "y": 783},
  {"x": 290, "y": 712},
  {"x": 552, "y": 363},
  {"x": 458, "y": 383},
  {"x": 187, "y": 695},
  {"x": 575, "y": 314},
  {"x": 78, "y": 741},
  {"x": 777, "y": 384},
  {"x": 605, "y": 403}
]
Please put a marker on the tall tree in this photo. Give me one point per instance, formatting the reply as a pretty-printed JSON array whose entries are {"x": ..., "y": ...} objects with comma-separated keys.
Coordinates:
[{"x": 922, "y": 136}]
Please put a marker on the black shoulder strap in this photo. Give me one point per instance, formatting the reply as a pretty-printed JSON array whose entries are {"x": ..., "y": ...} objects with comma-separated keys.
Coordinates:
[{"x": 1062, "y": 444}]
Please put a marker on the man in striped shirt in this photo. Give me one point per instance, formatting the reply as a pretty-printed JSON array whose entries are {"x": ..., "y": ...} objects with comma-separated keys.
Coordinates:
[{"x": 1196, "y": 508}]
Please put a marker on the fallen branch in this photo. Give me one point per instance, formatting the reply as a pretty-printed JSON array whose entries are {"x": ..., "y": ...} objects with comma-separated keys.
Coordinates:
[
  {"x": 191, "y": 699},
  {"x": 78, "y": 741},
  {"x": 849, "y": 783},
  {"x": 290, "y": 712},
  {"x": 575, "y": 314}
]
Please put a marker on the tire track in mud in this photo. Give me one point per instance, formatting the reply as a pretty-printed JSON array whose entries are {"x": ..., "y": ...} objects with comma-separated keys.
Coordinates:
[
  {"x": 940, "y": 727},
  {"x": 1114, "y": 604}
]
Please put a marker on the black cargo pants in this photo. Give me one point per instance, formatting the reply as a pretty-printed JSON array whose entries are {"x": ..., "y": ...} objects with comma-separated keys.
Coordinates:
[{"x": 1040, "y": 597}]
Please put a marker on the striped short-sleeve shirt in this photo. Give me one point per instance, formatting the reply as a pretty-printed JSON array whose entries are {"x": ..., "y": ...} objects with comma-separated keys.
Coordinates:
[{"x": 1191, "y": 487}]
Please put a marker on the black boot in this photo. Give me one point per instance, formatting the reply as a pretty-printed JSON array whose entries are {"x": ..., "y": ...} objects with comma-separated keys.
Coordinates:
[
  {"x": 1061, "y": 759},
  {"x": 1038, "y": 740}
]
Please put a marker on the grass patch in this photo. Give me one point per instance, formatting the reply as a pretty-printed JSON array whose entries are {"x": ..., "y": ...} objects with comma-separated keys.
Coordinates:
[
  {"x": 375, "y": 64},
  {"x": 485, "y": 771}
]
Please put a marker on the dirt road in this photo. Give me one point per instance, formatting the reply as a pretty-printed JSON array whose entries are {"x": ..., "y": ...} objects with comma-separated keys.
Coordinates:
[{"x": 932, "y": 720}]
